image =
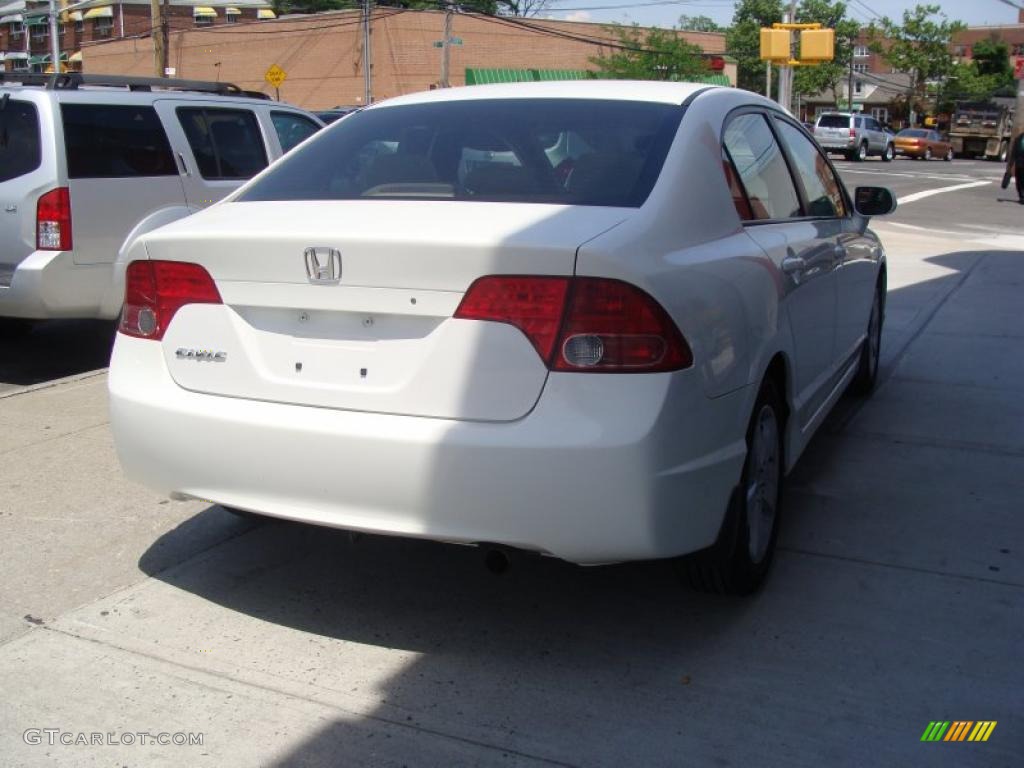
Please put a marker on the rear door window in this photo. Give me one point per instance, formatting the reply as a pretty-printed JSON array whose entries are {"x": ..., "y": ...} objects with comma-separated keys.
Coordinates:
[
  {"x": 20, "y": 152},
  {"x": 761, "y": 168},
  {"x": 292, "y": 129},
  {"x": 115, "y": 141},
  {"x": 226, "y": 143}
]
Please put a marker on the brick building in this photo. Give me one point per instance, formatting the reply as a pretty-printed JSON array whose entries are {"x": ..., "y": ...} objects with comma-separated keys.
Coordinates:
[
  {"x": 322, "y": 54},
  {"x": 1011, "y": 34},
  {"x": 25, "y": 28}
]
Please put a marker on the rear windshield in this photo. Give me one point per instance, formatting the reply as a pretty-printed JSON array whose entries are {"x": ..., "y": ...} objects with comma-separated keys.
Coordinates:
[
  {"x": 572, "y": 151},
  {"x": 19, "y": 139},
  {"x": 833, "y": 121},
  {"x": 913, "y": 133}
]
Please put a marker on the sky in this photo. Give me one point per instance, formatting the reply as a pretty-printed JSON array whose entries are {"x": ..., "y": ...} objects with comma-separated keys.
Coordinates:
[{"x": 666, "y": 13}]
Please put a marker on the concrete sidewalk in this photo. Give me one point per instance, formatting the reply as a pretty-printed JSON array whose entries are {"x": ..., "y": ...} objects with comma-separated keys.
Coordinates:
[{"x": 897, "y": 599}]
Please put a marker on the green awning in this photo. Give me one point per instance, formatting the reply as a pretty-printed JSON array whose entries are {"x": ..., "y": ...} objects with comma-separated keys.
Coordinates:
[
  {"x": 488, "y": 76},
  {"x": 33, "y": 60},
  {"x": 35, "y": 21}
]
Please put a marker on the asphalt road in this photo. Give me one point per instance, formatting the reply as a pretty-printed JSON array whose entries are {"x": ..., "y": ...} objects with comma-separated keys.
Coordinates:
[{"x": 896, "y": 597}]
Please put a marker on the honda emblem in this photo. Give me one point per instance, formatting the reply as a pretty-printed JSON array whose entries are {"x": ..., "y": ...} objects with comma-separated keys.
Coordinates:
[{"x": 323, "y": 265}]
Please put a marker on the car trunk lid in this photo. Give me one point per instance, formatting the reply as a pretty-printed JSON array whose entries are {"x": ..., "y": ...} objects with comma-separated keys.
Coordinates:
[{"x": 376, "y": 333}]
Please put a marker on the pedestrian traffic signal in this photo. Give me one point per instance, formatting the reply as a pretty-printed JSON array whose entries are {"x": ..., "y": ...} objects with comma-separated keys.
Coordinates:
[
  {"x": 817, "y": 45},
  {"x": 775, "y": 44}
]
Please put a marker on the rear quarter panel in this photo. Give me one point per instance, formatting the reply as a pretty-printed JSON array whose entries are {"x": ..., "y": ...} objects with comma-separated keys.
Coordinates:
[{"x": 687, "y": 248}]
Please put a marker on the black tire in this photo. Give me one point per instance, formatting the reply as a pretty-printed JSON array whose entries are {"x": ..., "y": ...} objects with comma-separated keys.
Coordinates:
[
  {"x": 863, "y": 383},
  {"x": 890, "y": 153},
  {"x": 738, "y": 562},
  {"x": 949, "y": 155},
  {"x": 15, "y": 327},
  {"x": 862, "y": 152},
  {"x": 927, "y": 153}
]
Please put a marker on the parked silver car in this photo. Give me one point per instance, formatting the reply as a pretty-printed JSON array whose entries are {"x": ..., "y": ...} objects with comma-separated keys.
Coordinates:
[
  {"x": 88, "y": 163},
  {"x": 854, "y": 135}
]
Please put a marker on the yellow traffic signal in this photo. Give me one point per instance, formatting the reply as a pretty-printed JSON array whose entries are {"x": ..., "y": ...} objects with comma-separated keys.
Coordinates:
[
  {"x": 775, "y": 44},
  {"x": 815, "y": 44}
]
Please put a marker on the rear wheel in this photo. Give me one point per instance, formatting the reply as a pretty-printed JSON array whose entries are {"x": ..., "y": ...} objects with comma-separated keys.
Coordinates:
[
  {"x": 949, "y": 155},
  {"x": 738, "y": 562},
  {"x": 14, "y": 327},
  {"x": 863, "y": 383},
  {"x": 928, "y": 153},
  {"x": 862, "y": 152}
]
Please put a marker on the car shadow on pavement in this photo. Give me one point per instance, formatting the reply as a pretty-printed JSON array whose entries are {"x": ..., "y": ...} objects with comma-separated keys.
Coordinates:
[{"x": 32, "y": 353}]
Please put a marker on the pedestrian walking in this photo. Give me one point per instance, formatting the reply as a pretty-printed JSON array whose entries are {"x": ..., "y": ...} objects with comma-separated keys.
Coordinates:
[{"x": 1015, "y": 166}]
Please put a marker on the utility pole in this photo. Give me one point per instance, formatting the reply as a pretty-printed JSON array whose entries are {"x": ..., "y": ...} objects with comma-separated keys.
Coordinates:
[
  {"x": 849, "y": 86},
  {"x": 785, "y": 70},
  {"x": 165, "y": 35},
  {"x": 159, "y": 51},
  {"x": 54, "y": 39},
  {"x": 446, "y": 46},
  {"x": 767, "y": 79},
  {"x": 367, "y": 56}
]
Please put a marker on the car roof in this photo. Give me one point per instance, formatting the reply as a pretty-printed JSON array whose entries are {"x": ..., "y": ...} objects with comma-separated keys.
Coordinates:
[{"x": 621, "y": 90}]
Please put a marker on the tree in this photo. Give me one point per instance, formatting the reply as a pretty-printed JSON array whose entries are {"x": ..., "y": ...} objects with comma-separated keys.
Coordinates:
[
  {"x": 743, "y": 40},
  {"x": 522, "y": 7},
  {"x": 698, "y": 24},
  {"x": 992, "y": 57},
  {"x": 920, "y": 46},
  {"x": 829, "y": 74},
  {"x": 651, "y": 54}
]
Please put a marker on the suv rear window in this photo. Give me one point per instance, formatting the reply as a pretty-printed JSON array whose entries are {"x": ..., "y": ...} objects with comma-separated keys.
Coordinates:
[
  {"x": 833, "y": 121},
  {"x": 20, "y": 152},
  {"x": 226, "y": 143},
  {"x": 571, "y": 151},
  {"x": 108, "y": 141}
]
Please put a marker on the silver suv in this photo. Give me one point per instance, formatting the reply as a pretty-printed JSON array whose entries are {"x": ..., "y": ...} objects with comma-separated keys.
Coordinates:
[
  {"x": 88, "y": 163},
  {"x": 854, "y": 135}
]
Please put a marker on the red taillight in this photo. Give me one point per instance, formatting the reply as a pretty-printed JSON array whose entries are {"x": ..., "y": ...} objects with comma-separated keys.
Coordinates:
[
  {"x": 534, "y": 305},
  {"x": 155, "y": 290},
  {"x": 53, "y": 221},
  {"x": 585, "y": 324},
  {"x": 853, "y": 133}
]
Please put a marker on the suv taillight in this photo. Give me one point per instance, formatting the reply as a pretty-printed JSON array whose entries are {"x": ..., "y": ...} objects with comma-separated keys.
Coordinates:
[
  {"x": 584, "y": 324},
  {"x": 853, "y": 133},
  {"x": 155, "y": 290},
  {"x": 53, "y": 220}
]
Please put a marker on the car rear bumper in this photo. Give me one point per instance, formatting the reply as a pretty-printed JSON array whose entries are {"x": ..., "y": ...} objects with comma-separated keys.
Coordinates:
[
  {"x": 49, "y": 285},
  {"x": 836, "y": 145},
  {"x": 605, "y": 468}
]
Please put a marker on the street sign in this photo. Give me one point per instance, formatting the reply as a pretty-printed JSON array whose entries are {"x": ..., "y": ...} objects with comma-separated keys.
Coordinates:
[
  {"x": 1018, "y": 68},
  {"x": 439, "y": 43},
  {"x": 275, "y": 76},
  {"x": 455, "y": 40}
]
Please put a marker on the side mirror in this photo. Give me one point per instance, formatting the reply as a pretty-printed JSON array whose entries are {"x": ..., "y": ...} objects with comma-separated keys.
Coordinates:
[{"x": 874, "y": 201}]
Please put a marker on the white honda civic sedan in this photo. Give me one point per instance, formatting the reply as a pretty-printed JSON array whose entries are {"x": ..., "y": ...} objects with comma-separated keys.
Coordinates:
[{"x": 598, "y": 320}]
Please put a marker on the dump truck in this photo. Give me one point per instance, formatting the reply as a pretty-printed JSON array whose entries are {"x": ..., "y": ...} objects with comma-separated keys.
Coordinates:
[{"x": 981, "y": 129}]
